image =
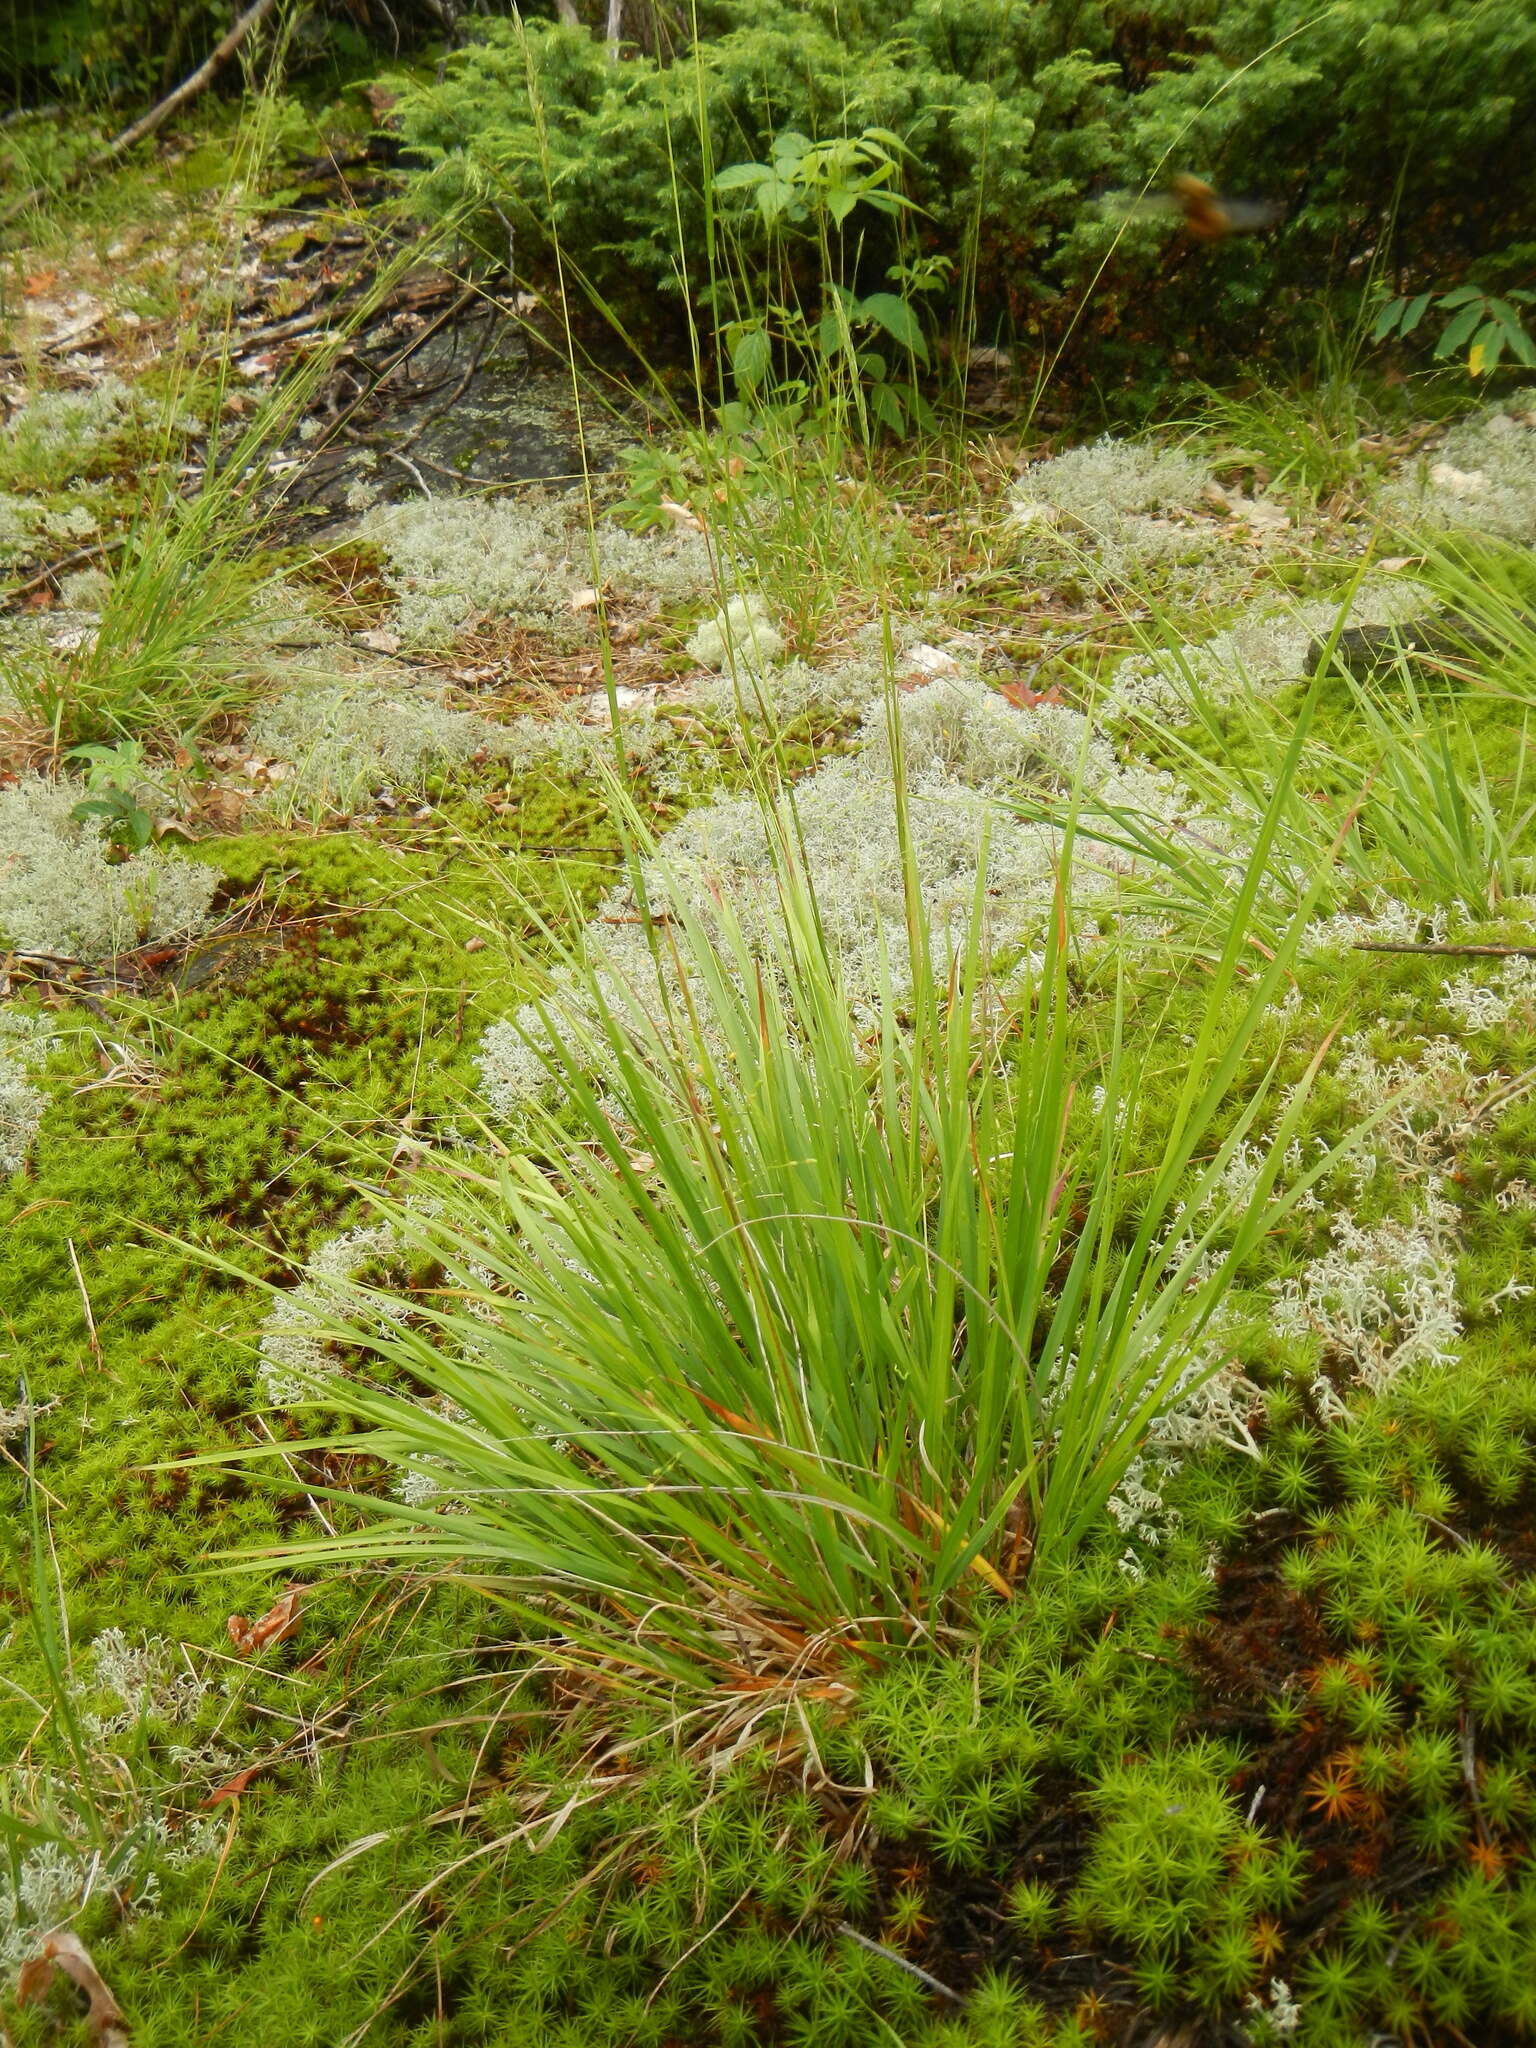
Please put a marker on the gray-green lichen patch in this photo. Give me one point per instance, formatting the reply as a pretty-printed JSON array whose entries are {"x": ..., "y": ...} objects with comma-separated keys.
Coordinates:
[
  {"x": 1131, "y": 507},
  {"x": 451, "y": 561},
  {"x": 741, "y": 635},
  {"x": 59, "y": 450},
  {"x": 1264, "y": 647},
  {"x": 1481, "y": 478},
  {"x": 24, "y": 1045},
  {"x": 965, "y": 750},
  {"x": 62, "y": 893}
]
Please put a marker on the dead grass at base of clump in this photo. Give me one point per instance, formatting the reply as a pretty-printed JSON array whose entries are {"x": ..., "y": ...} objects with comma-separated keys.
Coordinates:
[
  {"x": 503, "y": 667},
  {"x": 349, "y": 581}
]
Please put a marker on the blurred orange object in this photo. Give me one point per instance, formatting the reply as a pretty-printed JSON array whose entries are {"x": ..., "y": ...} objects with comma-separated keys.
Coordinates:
[{"x": 1207, "y": 214}]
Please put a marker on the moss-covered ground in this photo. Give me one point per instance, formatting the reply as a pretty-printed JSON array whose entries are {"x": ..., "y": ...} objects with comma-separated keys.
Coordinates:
[{"x": 1257, "y": 1766}]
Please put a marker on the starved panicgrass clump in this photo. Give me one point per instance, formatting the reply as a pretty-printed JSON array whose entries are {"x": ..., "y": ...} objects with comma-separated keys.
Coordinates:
[{"x": 740, "y": 1369}]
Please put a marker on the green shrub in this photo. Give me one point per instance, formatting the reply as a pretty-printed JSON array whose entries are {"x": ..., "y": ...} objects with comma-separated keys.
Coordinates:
[{"x": 1362, "y": 119}]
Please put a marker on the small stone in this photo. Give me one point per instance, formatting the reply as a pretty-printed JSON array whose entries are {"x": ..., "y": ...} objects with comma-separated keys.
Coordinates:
[
  {"x": 933, "y": 661},
  {"x": 1460, "y": 483}
]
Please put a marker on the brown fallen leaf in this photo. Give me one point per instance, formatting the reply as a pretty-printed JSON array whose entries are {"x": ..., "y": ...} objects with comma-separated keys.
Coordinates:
[
  {"x": 64, "y": 1951},
  {"x": 280, "y": 1621},
  {"x": 1021, "y": 695},
  {"x": 232, "y": 1787}
]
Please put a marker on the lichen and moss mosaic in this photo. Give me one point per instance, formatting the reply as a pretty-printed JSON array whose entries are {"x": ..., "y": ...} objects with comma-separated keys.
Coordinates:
[{"x": 1253, "y": 1762}]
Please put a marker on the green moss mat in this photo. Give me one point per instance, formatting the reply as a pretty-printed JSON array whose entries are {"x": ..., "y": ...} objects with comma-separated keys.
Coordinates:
[
  {"x": 259, "y": 1094},
  {"x": 1056, "y": 1831}
]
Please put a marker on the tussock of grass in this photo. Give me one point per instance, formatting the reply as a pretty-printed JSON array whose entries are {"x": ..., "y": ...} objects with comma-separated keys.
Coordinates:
[{"x": 987, "y": 1304}]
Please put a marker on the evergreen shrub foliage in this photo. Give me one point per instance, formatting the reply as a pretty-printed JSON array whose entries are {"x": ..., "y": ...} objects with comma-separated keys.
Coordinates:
[{"x": 1364, "y": 119}]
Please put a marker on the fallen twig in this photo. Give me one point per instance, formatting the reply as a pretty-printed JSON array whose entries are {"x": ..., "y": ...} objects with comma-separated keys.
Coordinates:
[
  {"x": 54, "y": 570},
  {"x": 1445, "y": 946},
  {"x": 891, "y": 1955},
  {"x": 146, "y": 124}
]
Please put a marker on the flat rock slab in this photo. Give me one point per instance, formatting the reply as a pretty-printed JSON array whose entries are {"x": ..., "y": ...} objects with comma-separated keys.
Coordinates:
[{"x": 1367, "y": 653}]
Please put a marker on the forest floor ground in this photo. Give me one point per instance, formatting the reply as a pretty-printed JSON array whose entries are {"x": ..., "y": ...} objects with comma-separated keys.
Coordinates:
[{"x": 1257, "y": 1765}]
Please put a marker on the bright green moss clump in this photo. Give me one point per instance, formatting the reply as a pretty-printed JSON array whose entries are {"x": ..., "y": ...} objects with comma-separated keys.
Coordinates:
[
  {"x": 1198, "y": 1799},
  {"x": 221, "y": 1124}
]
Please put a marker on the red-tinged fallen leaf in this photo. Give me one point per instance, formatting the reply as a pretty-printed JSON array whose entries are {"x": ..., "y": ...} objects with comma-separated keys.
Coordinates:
[
  {"x": 280, "y": 1621},
  {"x": 1025, "y": 698},
  {"x": 232, "y": 1787},
  {"x": 64, "y": 1951}
]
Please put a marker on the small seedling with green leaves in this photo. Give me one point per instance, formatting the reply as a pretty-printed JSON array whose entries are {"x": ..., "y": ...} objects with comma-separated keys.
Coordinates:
[
  {"x": 1483, "y": 323},
  {"x": 114, "y": 776},
  {"x": 816, "y": 188}
]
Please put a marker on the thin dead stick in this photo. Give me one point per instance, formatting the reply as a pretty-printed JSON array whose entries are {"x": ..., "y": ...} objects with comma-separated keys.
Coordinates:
[
  {"x": 85, "y": 1299},
  {"x": 77, "y": 560},
  {"x": 877, "y": 1948},
  {"x": 173, "y": 102},
  {"x": 306, "y": 323},
  {"x": 1487, "y": 952}
]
